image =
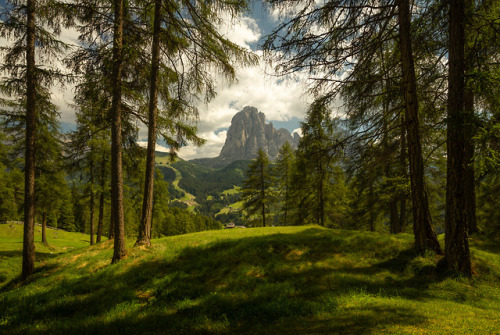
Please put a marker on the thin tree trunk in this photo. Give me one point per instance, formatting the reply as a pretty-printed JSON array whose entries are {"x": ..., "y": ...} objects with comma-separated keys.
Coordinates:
[
  {"x": 456, "y": 238},
  {"x": 44, "y": 227},
  {"x": 116, "y": 137},
  {"x": 403, "y": 166},
  {"x": 147, "y": 205},
  {"x": 111, "y": 233},
  {"x": 392, "y": 203},
  {"x": 29, "y": 173},
  {"x": 100, "y": 222},
  {"x": 263, "y": 193},
  {"x": 373, "y": 216},
  {"x": 92, "y": 201},
  {"x": 425, "y": 236},
  {"x": 321, "y": 204}
]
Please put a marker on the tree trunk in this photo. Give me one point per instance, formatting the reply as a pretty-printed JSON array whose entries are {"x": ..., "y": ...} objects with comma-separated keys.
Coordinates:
[
  {"x": 470, "y": 132},
  {"x": 321, "y": 203},
  {"x": 425, "y": 236},
  {"x": 111, "y": 233},
  {"x": 100, "y": 222},
  {"x": 403, "y": 166},
  {"x": 116, "y": 137},
  {"x": 92, "y": 201},
  {"x": 457, "y": 241},
  {"x": 29, "y": 173},
  {"x": 147, "y": 205},
  {"x": 373, "y": 216},
  {"x": 44, "y": 227},
  {"x": 263, "y": 193},
  {"x": 470, "y": 175}
]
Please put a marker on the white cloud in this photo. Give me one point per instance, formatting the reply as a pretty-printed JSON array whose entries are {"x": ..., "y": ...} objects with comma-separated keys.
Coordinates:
[
  {"x": 242, "y": 31},
  {"x": 159, "y": 148},
  {"x": 277, "y": 98},
  {"x": 298, "y": 131}
]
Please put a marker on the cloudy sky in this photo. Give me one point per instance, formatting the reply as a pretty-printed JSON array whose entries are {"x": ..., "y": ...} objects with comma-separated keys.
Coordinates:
[{"x": 282, "y": 101}]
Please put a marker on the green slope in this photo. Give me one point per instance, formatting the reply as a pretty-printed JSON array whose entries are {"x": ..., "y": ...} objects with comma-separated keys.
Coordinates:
[
  {"x": 59, "y": 241},
  {"x": 283, "y": 280}
]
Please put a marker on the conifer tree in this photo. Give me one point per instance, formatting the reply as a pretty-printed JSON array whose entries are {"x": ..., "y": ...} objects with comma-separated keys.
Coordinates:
[
  {"x": 351, "y": 34},
  {"x": 316, "y": 174},
  {"x": 283, "y": 170},
  {"x": 201, "y": 45},
  {"x": 257, "y": 193},
  {"x": 30, "y": 26},
  {"x": 457, "y": 239}
]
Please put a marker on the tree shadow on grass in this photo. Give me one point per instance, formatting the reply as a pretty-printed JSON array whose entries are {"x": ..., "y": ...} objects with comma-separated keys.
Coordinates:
[{"x": 270, "y": 284}]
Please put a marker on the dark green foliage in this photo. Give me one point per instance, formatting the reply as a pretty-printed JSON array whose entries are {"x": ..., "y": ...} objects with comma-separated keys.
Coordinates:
[
  {"x": 257, "y": 194},
  {"x": 283, "y": 170},
  {"x": 181, "y": 221},
  {"x": 318, "y": 181},
  {"x": 234, "y": 216},
  {"x": 201, "y": 181}
]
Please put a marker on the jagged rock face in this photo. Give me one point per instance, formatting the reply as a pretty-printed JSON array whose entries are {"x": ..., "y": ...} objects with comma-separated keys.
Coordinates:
[{"x": 248, "y": 132}]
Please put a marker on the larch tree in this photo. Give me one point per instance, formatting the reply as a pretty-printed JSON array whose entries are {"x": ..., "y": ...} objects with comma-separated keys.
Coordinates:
[
  {"x": 116, "y": 135},
  {"x": 317, "y": 175},
  {"x": 185, "y": 35},
  {"x": 457, "y": 241},
  {"x": 331, "y": 42},
  {"x": 425, "y": 235},
  {"x": 257, "y": 193},
  {"x": 31, "y": 29},
  {"x": 283, "y": 171}
]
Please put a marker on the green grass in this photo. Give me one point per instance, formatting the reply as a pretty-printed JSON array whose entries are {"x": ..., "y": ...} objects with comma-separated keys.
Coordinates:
[
  {"x": 234, "y": 190},
  {"x": 233, "y": 207},
  {"x": 281, "y": 280},
  {"x": 11, "y": 247}
]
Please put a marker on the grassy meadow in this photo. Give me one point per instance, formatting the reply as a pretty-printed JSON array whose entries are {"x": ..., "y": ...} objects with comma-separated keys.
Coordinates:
[
  {"x": 281, "y": 280},
  {"x": 11, "y": 247}
]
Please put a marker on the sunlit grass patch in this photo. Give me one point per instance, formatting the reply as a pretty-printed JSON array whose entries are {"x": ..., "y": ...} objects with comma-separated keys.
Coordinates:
[{"x": 278, "y": 280}]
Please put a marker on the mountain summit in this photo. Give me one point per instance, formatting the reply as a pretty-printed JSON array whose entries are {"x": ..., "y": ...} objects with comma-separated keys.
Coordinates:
[{"x": 249, "y": 132}]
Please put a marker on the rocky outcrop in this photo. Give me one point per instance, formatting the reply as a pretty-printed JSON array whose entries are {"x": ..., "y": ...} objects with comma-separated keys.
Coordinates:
[{"x": 249, "y": 132}]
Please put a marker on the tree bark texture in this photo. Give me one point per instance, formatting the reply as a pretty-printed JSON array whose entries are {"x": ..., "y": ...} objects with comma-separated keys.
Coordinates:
[
  {"x": 147, "y": 204},
  {"x": 92, "y": 201},
  {"x": 403, "y": 167},
  {"x": 116, "y": 137},
  {"x": 470, "y": 132},
  {"x": 29, "y": 173},
  {"x": 425, "y": 236},
  {"x": 470, "y": 174},
  {"x": 456, "y": 238},
  {"x": 263, "y": 193},
  {"x": 100, "y": 221},
  {"x": 44, "y": 227}
]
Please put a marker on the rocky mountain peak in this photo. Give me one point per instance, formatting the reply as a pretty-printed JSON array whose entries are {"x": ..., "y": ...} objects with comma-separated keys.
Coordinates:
[{"x": 249, "y": 132}]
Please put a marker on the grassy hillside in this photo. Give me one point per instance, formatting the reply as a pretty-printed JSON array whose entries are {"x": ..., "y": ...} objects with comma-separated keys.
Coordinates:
[
  {"x": 11, "y": 247},
  {"x": 283, "y": 280}
]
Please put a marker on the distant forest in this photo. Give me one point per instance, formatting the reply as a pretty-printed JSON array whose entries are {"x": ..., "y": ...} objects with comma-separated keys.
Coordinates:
[{"x": 402, "y": 134}]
